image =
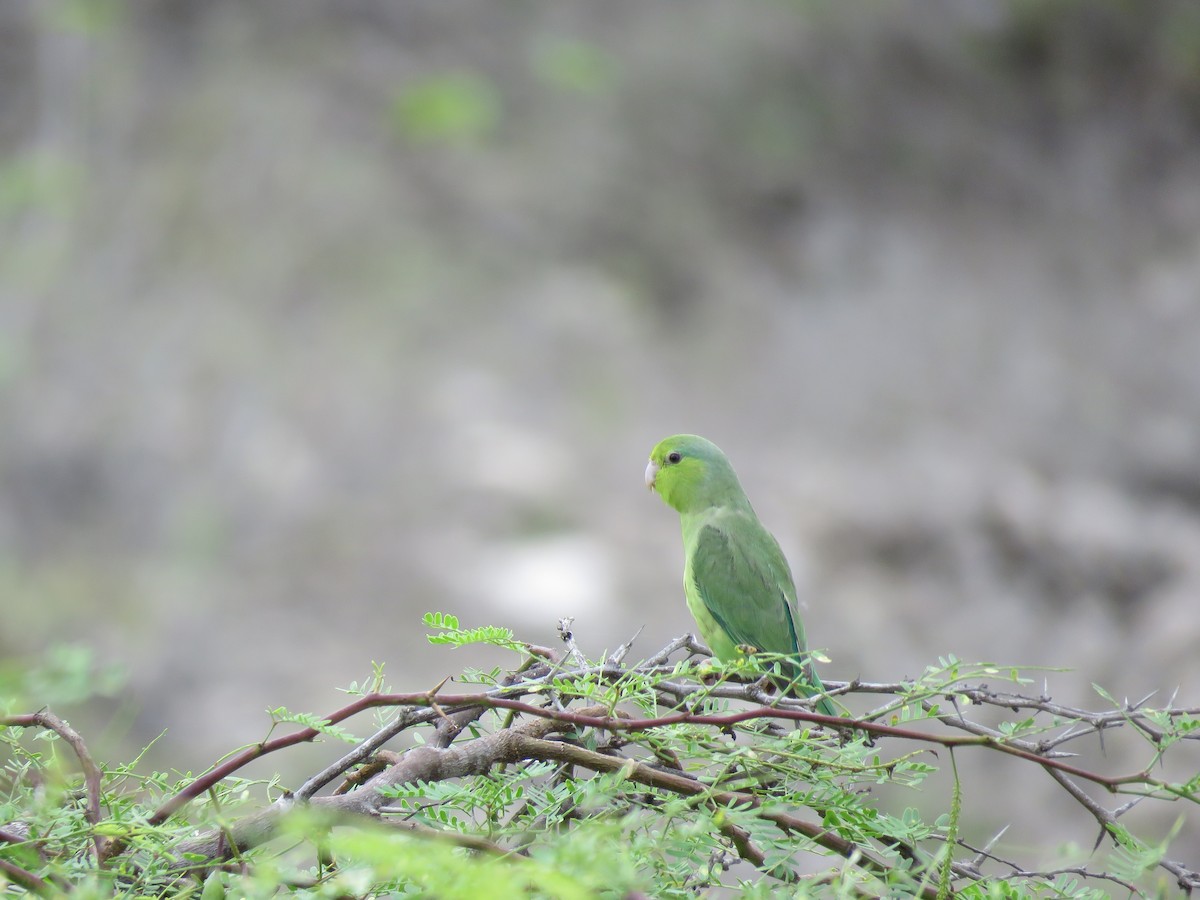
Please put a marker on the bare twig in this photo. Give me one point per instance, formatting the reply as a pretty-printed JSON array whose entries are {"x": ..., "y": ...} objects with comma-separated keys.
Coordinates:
[
  {"x": 621, "y": 652},
  {"x": 568, "y": 638},
  {"x": 406, "y": 719}
]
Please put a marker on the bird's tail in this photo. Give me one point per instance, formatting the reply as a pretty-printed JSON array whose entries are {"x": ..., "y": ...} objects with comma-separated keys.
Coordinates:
[{"x": 803, "y": 681}]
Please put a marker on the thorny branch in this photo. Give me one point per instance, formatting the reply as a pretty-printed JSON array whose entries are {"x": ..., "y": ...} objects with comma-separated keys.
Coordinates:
[
  {"x": 537, "y": 714},
  {"x": 26, "y": 879}
]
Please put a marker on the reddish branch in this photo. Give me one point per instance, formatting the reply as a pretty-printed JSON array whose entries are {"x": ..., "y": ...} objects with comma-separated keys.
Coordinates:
[
  {"x": 518, "y": 744},
  {"x": 431, "y": 699},
  {"x": 91, "y": 772},
  {"x": 531, "y": 740},
  {"x": 26, "y": 879}
]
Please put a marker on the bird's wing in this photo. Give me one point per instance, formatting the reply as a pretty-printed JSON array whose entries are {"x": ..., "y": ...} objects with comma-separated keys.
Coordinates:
[
  {"x": 745, "y": 584},
  {"x": 743, "y": 580}
]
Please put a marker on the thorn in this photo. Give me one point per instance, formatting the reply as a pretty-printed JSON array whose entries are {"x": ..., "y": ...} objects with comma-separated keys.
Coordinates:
[
  {"x": 619, "y": 656},
  {"x": 987, "y": 848},
  {"x": 1143, "y": 701},
  {"x": 1120, "y": 811}
]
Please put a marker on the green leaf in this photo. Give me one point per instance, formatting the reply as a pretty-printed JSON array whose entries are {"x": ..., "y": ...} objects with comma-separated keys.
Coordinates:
[
  {"x": 308, "y": 720},
  {"x": 1103, "y": 693}
]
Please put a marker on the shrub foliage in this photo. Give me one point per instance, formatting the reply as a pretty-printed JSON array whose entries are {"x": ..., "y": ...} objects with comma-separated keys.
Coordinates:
[{"x": 576, "y": 778}]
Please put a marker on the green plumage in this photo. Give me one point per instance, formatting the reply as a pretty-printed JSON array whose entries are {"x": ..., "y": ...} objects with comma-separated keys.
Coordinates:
[{"x": 736, "y": 580}]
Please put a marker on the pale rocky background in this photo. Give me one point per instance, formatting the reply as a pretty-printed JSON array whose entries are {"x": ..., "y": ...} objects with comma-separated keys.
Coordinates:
[{"x": 316, "y": 316}]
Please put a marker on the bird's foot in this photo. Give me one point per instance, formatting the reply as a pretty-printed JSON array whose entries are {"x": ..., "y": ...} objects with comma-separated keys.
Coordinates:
[{"x": 708, "y": 671}]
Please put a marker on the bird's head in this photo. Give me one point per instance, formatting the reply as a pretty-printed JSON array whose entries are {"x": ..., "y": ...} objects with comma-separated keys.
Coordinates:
[{"x": 691, "y": 474}]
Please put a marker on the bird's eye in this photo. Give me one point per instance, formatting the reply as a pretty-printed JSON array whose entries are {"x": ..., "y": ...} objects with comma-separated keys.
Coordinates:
[{"x": 674, "y": 456}]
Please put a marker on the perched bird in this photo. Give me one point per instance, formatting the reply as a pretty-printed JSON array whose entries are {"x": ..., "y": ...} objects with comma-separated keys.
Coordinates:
[{"x": 736, "y": 580}]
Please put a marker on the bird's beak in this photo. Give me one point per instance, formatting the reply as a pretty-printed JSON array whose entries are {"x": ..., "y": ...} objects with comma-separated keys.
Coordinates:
[{"x": 651, "y": 473}]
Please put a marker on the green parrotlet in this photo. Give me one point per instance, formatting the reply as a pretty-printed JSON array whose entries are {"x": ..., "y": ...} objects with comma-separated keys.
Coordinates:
[{"x": 736, "y": 580}]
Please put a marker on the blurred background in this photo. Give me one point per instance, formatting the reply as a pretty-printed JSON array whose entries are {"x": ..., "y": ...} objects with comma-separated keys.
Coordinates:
[{"x": 318, "y": 316}]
